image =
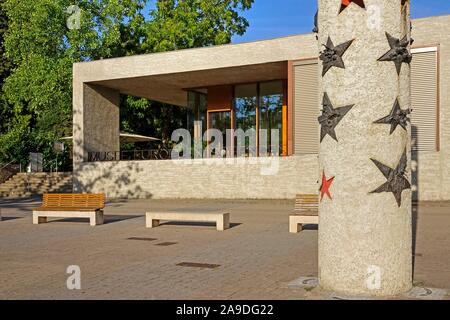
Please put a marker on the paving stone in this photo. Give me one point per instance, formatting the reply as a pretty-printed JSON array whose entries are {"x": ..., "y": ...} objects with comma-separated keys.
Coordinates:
[
  {"x": 427, "y": 293},
  {"x": 304, "y": 282}
]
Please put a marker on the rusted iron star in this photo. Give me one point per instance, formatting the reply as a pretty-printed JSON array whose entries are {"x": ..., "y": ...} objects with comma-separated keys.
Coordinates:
[
  {"x": 332, "y": 55},
  {"x": 398, "y": 53},
  {"x": 346, "y": 3},
  {"x": 397, "y": 117},
  {"x": 325, "y": 187},
  {"x": 331, "y": 117},
  {"x": 396, "y": 180}
]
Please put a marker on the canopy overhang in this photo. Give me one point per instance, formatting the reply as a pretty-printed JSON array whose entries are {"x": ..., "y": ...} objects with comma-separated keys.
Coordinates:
[
  {"x": 166, "y": 76},
  {"x": 171, "y": 88}
]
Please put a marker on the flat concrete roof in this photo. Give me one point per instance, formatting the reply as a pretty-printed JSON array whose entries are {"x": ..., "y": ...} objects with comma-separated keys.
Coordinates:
[{"x": 166, "y": 76}]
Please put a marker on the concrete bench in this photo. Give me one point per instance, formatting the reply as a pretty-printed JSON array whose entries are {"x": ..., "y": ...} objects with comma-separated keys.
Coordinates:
[
  {"x": 71, "y": 206},
  {"x": 306, "y": 212},
  {"x": 222, "y": 220}
]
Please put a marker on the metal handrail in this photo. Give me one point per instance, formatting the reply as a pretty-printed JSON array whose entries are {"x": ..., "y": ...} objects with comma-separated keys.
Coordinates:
[
  {"x": 7, "y": 165},
  {"x": 6, "y": 173},
  {"x": 54, "y": 161}
]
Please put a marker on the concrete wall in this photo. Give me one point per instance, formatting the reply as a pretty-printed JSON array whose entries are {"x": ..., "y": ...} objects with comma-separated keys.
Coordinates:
[{"x": 204, "y": 178}]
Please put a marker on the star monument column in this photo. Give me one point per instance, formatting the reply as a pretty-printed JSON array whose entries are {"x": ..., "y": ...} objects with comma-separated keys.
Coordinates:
[{"x": 365, "y": 237}]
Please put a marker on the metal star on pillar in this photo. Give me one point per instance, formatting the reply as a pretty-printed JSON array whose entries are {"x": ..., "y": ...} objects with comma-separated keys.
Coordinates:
[
  {"x": 316, "y": 23},
  {"x": 331, "y": 117},
  {"x": 396, "y": 180},
  {"x": 398, "y": 53},
  {"x": 325, "y": 187},
  {"x": 346, "y": 3},
  {"x": 332, "y": 55},
  {"x": 397, "y": 117}
]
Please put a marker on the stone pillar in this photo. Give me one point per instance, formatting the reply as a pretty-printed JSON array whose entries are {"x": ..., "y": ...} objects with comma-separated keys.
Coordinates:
[
  {"x": 365, "y": 242},
  {"x": 96, "y": 120},
  {"x": 96, "y": 126}
]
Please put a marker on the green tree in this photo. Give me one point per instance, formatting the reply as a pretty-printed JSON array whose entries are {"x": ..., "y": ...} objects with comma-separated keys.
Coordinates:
[
  {"x": 181, "y": 24},
  {"x": 43, "y": 47},
  {"x": 175, "y": 25},
  {"x": 5, "y": 64},
  {"x": 5, "y": 67}
]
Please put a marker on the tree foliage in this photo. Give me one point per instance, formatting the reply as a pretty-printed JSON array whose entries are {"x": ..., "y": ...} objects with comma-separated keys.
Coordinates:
[
  {"x": 42, "y": 48},
  {"x": 5, "y": 64}
]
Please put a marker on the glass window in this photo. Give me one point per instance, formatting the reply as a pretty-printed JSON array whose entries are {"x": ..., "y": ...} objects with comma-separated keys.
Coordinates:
[
  {"x": 245, "y": 111},
  {"x": 197, "y": 103},
  {"x": 271, "y": 114},
  {"x": 220, "y": 121},
  {"x": 245, "y": 106}
]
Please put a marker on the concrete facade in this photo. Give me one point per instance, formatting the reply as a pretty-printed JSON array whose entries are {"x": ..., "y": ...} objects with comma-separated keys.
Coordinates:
[{"x": 164, "y": 76}]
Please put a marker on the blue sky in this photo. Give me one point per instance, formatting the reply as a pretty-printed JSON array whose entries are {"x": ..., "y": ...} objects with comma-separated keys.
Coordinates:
[{"x": 276, "y": 18}]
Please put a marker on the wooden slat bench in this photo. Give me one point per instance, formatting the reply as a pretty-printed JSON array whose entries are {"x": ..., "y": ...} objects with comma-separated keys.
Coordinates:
[
  {"x": 222, "y": 219},
  {"x": 69, "y": 205},
  {"x": 306, "y": 211}
]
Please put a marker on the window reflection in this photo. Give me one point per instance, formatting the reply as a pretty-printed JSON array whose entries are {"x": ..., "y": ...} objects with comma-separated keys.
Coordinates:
[
  {"x": 271, "y": 114},
  {"x": 222, "y": 122},
  {"x": 245, "y": 105}
]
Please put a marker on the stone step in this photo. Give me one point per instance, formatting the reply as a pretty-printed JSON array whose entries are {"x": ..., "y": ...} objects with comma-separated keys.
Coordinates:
[
  {"x": 25, "y": 185},
  {"x": 36, "y": 180},
  {"x": 15, "y": 195},
  {"x": 28, "y": 194},
  {"x": 42, "y": 183},
  {"x": 34, "y": 185}
]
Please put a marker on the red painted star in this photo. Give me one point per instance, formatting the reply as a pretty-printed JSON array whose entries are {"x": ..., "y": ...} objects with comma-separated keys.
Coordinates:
[
  {"x": 346, "y": 3},
  {"x": 325, "y": 187}
]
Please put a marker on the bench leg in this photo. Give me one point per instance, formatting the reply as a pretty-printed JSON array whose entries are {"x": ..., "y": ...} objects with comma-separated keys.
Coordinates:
[
  {"x": 97, "y": 218},
  {"x": 38, "y": 220},
  {"x": 295, "y": 227},
  {"x": 152, "y": 223},
  {"x": 223, "y": 224}
]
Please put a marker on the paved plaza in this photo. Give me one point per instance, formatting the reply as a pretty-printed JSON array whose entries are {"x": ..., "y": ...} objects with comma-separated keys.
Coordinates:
[{"x": 256, "y": 259}]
